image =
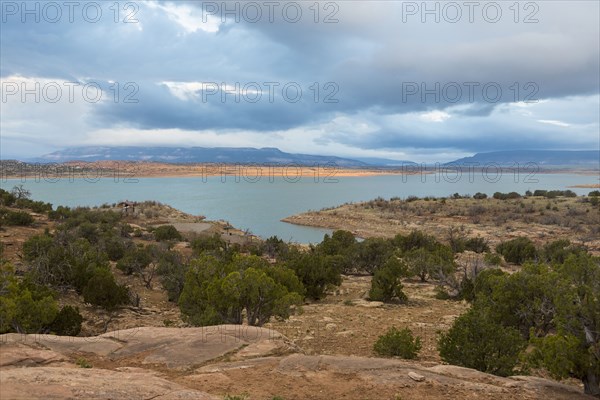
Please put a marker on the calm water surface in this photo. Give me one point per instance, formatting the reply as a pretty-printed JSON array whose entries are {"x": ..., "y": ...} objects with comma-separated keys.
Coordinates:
[{"x": 259, "y": 206}]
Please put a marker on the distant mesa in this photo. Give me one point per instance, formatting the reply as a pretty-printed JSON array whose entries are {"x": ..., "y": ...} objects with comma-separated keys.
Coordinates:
[
  {"x": 242, "y": 155},
  {"x": 585, "y": 159},
  {"x": 542, "y": 158}
]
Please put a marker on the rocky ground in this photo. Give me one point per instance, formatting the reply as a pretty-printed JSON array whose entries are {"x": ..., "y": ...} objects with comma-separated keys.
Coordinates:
[{"x": 212, "y": 362}]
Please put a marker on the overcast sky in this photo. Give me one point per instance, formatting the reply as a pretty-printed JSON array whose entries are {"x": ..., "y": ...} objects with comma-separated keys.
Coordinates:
[{"x": 377, "y": 78}]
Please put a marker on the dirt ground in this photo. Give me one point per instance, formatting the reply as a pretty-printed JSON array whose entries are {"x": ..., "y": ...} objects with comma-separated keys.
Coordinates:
[{"x": 345, "y": 323}]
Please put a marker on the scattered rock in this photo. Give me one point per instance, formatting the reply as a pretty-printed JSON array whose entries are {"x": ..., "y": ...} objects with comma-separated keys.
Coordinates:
[
  {"x": 416, "y": 377},
  {"x": 330, "y": 327}
]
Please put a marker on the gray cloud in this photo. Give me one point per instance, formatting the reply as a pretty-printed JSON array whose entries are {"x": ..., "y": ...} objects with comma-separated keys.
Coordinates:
[{"x": 371, "y": 54}]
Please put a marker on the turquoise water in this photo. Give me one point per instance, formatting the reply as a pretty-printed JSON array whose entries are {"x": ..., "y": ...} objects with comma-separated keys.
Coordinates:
[{"x": 259, "y": 206}]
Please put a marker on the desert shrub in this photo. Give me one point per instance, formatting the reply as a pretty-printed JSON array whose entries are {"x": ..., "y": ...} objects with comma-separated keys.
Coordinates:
[
  {"x": 476, "y": 341},
  {"x": 594, "y": 198},
  {"x": 167, "y": 232},
  {"x": 506, "y": 196},
  {"x": 15, "y": 218},
  {"x": 114, "y": 247},
  {"x": 492, "y": 259},
  {"x": 274, "y": 247},
  {"x": 517, "y": 250},
  {"x": 83, "y": 363},
  {"x": 466, "y": 290},
  {"x": 480, "y": 196},
  {"x": 559, "y": 250},
  {"x": 60, "y": 213},
  {"x": 343, "y": 246},
  {"x": 102, "y": 290},
  {"x": 337, "y": 243},
  {"x": 553, "y": 306},
  {"x": 386, "y": 283},
  {"x": 371, "y": 254},
  {"x": 456, "y": 240},
  {"x": 6, "y": 198},
  {"x": 317, "y": 272},
  {"x": 398, "y": 343},
  {"x": 35, "y": 206},
  {"x": 135, "y": 260},
  {"x": 211, "y": 244},
  {"x": 551, "y": 194},
  {"x": 219, "y": 292},
  {"x": 37, "y": 246},
  {"x": 476, "y": 210},
  {"x": 171, "y": 271},
  {"x": 67, "y": 322},
  {"x": 477, "y": 244},
  {"x": 430, "y": 264},
  {"x": 24, "y": 307},
  {"x": 415, "y": 240}
]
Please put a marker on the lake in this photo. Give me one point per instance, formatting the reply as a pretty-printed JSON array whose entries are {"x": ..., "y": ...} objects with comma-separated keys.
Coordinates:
[{"x": 259, "y": 206}]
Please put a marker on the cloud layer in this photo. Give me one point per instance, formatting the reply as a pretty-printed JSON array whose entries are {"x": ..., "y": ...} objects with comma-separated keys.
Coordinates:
[{"x": 348, "y": 78}]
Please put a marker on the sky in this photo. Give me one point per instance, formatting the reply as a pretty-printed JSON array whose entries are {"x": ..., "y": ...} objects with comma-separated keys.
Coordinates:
[{"x": 404, "y": 80}]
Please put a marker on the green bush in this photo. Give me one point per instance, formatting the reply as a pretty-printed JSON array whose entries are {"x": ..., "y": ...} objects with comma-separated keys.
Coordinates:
[
  {"x": 559, "y": 250},
  {"x": 213, "y": 244},
  {"x": 386, "y": 283},
  {"x": 24, "y": 307},
  {"x": 492, "y": 259},
  {"x": 15, "y": 218},
  {"x": 518, "y": 250},
  {"x": 316, "y": 272},
  {"x": 594, "y": 197},
  {"x": 217, "y": 292},
  {"x": 135, "y": 260},
  {"x": 476, "y": 341},
  {"x": 371, "y": 254},
  {"x": 67, "y": 322},
  {"x": 430, "y": 264},
  {"x": 6, "y": 198},
  {"x": 398, "y": 343},
  {"x": 506, "y": 196},
  {"x": 171, "y": 271},
  {"x": 274, "y": 247},
  {"x": 477, "y": 244},
  {"x": 167, "y": 232},
  {"x": 102, "y": 290},
  {"x": 114, "y": 247}
]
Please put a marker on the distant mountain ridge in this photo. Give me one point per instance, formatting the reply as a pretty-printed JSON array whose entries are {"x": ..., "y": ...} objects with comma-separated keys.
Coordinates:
[
  {"x": 244, "y": 155},
  {"x": 543, "y": 158},
  {"x": 265, "y": 155}
]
